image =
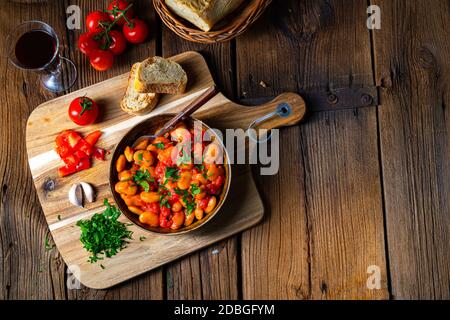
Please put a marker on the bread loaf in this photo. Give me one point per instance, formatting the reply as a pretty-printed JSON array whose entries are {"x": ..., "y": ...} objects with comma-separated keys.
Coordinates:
[{"x": 203, "y": 13}]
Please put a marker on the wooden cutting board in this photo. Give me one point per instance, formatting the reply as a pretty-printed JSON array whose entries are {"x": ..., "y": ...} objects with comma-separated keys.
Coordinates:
[{"x": 242, "y": 209}]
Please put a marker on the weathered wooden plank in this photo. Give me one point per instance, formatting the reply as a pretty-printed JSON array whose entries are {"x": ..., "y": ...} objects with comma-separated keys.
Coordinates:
[
  {"x": 29, "y": 271},
  {"x": 413, "y": 66},
  {"x": 150, "y": 285},
  {"x": 326, "y": 222},
  {"x": 212, "y": 273}
]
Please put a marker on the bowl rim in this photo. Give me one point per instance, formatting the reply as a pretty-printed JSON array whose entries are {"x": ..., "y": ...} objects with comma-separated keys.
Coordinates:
[{"x": 204, "y": 221}]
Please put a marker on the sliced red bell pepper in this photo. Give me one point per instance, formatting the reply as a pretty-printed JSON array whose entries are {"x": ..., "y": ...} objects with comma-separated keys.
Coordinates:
[
  {"x": 66, "y": 170},
  {"x": 93, "y": 137},
  {"x": 73, "y": 139},
  {"x": 63, "y": 150},
  {"x": 80, "y": 154},
  {"x": 71, "y": 160},
  {"x": 85, "y": 147},
  {"x": 83, "y": 164},
  {"x": 99, "y": 153}
]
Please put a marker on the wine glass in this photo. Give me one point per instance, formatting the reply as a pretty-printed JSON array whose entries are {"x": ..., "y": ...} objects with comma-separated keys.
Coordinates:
[{"x": 34, "y": 46}]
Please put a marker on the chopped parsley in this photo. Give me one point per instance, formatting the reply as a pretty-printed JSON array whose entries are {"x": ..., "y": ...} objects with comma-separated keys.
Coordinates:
[
  {"x": 143, "y": 178},
  {"x": 195, "y": 189},
  {"x": 200, "y": 167},
  {"x": 173, "y": 173},
  {"x": 102, "y": 266},
  {"x": 164, "y": 202},
  {"x": 187, "y": 199},
  {"x": 48, "y": 247},
  {"x": 159, "y": 145},
  {"x": 59, "y": 217},
  {"x": 190, "y": 206},
  {"x": 103, "y": 234},
  {"x": 140, "y": 156},
  {"x": 142, "y": 238}
]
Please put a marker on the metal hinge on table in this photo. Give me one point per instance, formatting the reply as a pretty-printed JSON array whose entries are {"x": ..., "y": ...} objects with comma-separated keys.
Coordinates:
[
  {"x": 342, "y": 98},
  {"x": 335, "y": 99}
]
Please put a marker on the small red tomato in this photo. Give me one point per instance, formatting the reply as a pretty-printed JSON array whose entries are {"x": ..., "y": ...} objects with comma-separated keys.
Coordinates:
[
  {"x": 101, "y": 60},
  {"x": 118, "y": 42},
  {"x": 94, "y": 18},
  {"x": 136, "y": 31},
  {"x": 87, "y": 43},
  {"x": 83, "y": 111},
  {"x": 116, "y": 9}
]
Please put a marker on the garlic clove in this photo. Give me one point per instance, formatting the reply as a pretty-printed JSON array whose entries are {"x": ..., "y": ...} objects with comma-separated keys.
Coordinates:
[
  {"x": 88, "y": 191},
  {"x": 76, "y": 195}
]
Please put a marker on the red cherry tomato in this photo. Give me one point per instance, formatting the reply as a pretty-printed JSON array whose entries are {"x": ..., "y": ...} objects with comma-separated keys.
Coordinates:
[
  {"x": 118, "y": 42},
  {"x": 115, "y": 9},
  {"x": 83, "y": 111},
  {"x": 101, "y": 60},
  {"x": 87, "y": 43},
  {"x": 136, "y": 31},
  {"x": 93, "y": 19}
]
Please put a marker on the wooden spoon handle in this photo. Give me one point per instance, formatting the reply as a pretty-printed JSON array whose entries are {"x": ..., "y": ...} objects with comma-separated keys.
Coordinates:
[{"x": 190, "y": 109}]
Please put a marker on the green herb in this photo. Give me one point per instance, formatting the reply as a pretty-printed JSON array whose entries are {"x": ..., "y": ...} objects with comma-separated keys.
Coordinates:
[
  {"x": 103, "y": 234},
  {"x": 179, "y": 191},
  {"x": 142, "y": 238},
  {"x": 142, "y": 178},
  {"x": 144, "y": 184},
  {"x": 172, "y": 172},
  {"x": 200, "y": 167},
  {"x": 195, "y": 189},
  {"x": 159, "y": 145},
  {"x": 59, "y": 217},
  {"x": 164, "y": 202},
  {"x": 205, "y": 175},
  {"x": 48, "y": 247},
  {"x": 190, "y": 206},
  {"x": 140, "y": 156},
  {"x": 102, "y": 266}
]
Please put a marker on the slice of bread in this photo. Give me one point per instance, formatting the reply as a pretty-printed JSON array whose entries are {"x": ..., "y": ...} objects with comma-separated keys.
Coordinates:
[
  {"x": 160, "y": 75},
  {"x": 136, "y": 103}
]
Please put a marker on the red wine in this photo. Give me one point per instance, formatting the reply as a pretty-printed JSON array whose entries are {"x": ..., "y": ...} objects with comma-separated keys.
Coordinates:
[{"x": 35, "y": 49}]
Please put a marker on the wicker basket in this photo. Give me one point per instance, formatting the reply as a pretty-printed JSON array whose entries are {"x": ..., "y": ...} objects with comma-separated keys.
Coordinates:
[{"x": 221, "y": 32}]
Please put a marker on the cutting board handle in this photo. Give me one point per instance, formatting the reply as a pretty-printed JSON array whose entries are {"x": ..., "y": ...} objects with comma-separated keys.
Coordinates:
[{"x": 287, "y": 109}]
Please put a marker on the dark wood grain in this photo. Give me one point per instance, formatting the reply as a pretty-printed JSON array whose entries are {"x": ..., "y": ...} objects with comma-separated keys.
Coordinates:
[
  {"x": 150, "y": 285},
  {"x": 212, "y": 273},
  {"x": 28, "y": 270},
  {"x": 23, "y": 229},
  {"x": 326, "y": 222},
  {"x": 412, "y": 56}
]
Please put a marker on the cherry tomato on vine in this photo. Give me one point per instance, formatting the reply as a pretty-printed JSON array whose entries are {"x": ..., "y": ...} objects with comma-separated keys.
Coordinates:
[
  {"x": 87, "y": 43},
  {"x": 93, "y": 19},
  {"x": 118, "y": 42},
  {"x": 116, "y": 8},
  {"x": 136, "y": 31},
  {"x": 101, "y": 60},
  {"x": 83, "y": 111}
]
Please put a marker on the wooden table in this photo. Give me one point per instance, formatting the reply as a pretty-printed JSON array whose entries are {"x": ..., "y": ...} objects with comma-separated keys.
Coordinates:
[{"x": 360, "y": 187}]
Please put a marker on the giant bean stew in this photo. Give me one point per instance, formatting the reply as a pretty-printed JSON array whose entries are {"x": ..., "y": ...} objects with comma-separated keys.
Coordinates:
[{"x": 173, "y": 180}]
